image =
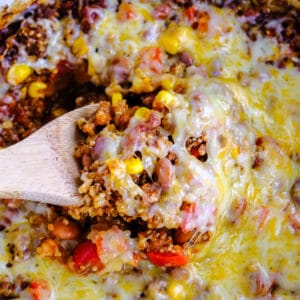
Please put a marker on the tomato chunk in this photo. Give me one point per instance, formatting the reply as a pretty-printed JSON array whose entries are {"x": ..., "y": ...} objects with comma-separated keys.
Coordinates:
[
  {"x": 40, "y": 290},
  {"x": 190, "y": 13},
  {"x": 85, "y": 254},
  {"x": 167, "y": 259},
  {"x": 126, "y": 12},
  {"x": 151, "y": 58}
]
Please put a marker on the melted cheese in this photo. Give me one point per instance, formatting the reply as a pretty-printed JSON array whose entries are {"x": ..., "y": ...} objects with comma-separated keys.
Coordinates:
[{"x": 235, "y": 98}]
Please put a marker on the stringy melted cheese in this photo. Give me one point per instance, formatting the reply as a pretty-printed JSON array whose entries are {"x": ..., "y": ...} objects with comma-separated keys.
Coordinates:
[{"x": 235, "y": 98}]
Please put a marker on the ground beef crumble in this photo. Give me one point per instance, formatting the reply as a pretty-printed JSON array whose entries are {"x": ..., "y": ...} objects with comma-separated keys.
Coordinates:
[
  {"x": 34, "y": 38},
  {"x": 12, "y": 289}
]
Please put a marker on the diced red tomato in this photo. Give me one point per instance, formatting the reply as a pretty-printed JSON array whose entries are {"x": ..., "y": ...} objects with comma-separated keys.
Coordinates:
[
  {"x": 198, "y": 19},
  {"x": 195, "y": 216},
  {"x": 157, "y": 54},
  {"x": 115, "y": 245},
  {"x": 40, "y": 290},
  {"x": 126, "y": 12},
  {"x": 85, "y": 254},
  {"x": 151, "y": 58},
  {"x": 203, "y": 22},
  {"x": 190, "y": 13},
  {"x": 195, "y": 151},
  {"x": 167, "y": 259}
]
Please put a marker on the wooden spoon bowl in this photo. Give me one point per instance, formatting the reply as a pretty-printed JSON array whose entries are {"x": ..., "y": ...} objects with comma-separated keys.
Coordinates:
[{"x": 42, "y": 167}]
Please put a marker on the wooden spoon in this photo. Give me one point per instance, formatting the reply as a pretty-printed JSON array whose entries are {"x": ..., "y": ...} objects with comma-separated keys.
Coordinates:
[{"x": 42, "y": 167}]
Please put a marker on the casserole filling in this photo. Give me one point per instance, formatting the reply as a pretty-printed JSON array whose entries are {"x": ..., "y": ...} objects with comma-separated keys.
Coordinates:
[{"x": 190, "y": 166}]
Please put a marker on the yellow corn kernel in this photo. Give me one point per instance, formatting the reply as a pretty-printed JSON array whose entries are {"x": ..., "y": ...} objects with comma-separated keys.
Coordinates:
[
  {"x": 37, "y": 89},
  {"x": 274, "y": 72},
  {"x": 165, "y": 98},
  {"x": 235, "y": 151},
  {"x": 176, "y": 290},
  {"x": 142, "y": 113},
  {"x": 175, "y": 38},
  {"x": 168, "y": 82},
  {"x": 79, "y": 47},
  {"x": 169, "y": 43},
  {"x": 18, "y": 73},
  {"x": 134, "y": 165},
  {"x": 252, "y": 267},
  {"x": 7, "y": 124},
  {"x": 23, "y": 92},
  {"x": 91, "y": 68},
  {"x": 142, "y": 85},
  {"x": 116, "y": 98},
  {"x": 145, "y": 13},
  {"x": 222, "y": 152}
]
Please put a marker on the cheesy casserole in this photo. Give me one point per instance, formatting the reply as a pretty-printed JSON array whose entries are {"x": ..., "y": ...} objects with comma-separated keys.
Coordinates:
[{"x": 190, "y": 168}]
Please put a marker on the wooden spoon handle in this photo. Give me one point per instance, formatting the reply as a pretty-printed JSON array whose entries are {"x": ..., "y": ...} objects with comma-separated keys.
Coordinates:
[
  {"x": 42, "y": 167},
  {"x": 32, "y": 170}
]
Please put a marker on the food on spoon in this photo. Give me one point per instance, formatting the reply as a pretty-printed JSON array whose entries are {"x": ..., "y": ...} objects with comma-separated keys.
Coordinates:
[{"x": 189, "y": 168}]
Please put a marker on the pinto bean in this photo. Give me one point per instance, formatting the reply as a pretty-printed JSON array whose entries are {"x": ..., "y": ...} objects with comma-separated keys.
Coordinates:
[
  {"x": 186, "y": 58},
  {"x": 64, "y": 229},
  {"x": 90, "y": 15},
  {"x": 161, "y": 11},
  {"x": 165, "y": 173}
]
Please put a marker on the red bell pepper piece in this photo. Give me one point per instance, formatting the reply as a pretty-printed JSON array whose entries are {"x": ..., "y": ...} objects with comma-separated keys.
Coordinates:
[
  {"x": 85, "y": 254},
  {"x": 167, "y": 259}
]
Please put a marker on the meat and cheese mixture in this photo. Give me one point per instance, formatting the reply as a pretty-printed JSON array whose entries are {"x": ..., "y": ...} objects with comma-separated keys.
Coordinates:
[{"x": 190, "y": 168}]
